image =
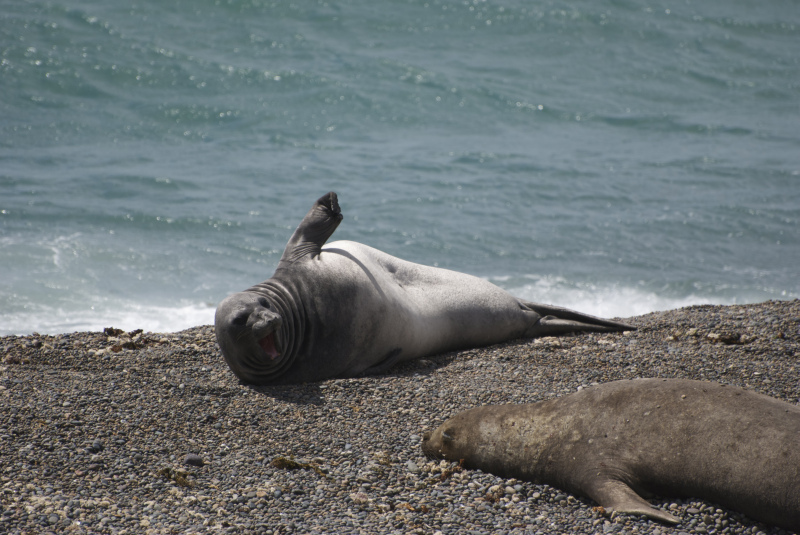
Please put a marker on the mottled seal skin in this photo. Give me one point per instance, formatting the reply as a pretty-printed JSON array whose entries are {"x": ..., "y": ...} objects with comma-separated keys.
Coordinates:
[
  {"x": 346, "y": 309},
  {"x": 613, "y": 442}
]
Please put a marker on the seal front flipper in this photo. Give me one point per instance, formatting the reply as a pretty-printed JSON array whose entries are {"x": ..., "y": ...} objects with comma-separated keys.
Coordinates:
[
  {"x": 614, "y": 495},
  {"x": 314, "y": 230}
]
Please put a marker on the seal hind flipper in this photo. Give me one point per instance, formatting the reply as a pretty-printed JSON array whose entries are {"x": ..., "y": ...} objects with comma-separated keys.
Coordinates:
[
  {"x": 614, "y": 495},
  {"x": 558, "y": 320},
  {"x": 314, "y": 230}
]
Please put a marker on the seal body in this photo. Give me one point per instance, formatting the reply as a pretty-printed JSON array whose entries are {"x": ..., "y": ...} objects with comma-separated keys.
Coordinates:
[
  {"x": 345, "y": 309},
  {"x": 613, "y": 442}
]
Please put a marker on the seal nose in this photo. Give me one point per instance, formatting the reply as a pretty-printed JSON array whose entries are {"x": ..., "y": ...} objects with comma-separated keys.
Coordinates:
[{"x": 265, "y": 323}]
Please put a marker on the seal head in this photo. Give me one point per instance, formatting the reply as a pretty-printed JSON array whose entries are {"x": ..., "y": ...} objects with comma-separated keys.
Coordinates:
[{"x": 249, "y": 325}]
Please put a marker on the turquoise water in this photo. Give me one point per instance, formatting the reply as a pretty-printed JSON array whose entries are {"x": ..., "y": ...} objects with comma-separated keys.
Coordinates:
[{"x": 613, "y": 157}]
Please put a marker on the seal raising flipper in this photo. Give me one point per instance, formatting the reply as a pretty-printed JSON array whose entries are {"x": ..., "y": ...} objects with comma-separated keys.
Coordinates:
[
  {"x": 670, "y": 437},
  {"x": 313, "y": 231},
  {"x": 344, "y": 309}
]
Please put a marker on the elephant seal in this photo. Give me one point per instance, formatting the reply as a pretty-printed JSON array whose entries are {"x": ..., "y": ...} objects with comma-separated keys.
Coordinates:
[
  {"x": 347, "y": 309},
  {"x": 671, "y": 437}
]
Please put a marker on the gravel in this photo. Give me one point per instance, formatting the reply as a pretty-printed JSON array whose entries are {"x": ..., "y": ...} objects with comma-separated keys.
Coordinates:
[{"x": 118, "y": 432}]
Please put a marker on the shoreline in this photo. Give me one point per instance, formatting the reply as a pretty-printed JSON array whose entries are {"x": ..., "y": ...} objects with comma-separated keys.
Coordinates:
[{"x": 96, "y": 429}]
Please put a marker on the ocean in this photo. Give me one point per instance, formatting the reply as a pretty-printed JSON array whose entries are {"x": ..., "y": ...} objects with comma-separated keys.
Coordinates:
[{"x": 613, "y": 157}]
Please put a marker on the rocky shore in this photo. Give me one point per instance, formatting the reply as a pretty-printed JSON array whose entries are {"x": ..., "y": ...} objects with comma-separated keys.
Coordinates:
[{"x": 115, "y": 432}]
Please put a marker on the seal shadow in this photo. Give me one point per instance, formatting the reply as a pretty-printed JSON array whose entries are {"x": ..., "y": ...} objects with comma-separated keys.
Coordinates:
[
  {"x": 432, "y": 363},
  {"x": 298, "y": 394},
  {"x": 422, "y": 366},
  {"x": 428, "y": 365},
  {"x": 313, "y": 393}
]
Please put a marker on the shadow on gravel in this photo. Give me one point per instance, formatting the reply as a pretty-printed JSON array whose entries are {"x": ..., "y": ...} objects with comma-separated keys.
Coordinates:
[
  {"x": 303, "y": 394},
  {"x": 313, "y": 393}
]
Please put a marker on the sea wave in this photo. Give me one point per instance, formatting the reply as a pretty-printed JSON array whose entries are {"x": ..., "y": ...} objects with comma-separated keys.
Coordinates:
[
  {"x": 611, "y": 300},
  {"x": 128, "y": 316}
]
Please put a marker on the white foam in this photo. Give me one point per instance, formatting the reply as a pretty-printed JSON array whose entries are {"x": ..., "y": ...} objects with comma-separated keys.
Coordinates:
[
  {"x": 609, "y": 301},
  {"x": 612, "y": 301},
  {"x": 126, "y": 316}
]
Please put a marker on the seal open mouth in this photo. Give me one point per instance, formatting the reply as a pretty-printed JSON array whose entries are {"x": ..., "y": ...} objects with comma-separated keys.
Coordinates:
[{"x": 269, "y": 346}]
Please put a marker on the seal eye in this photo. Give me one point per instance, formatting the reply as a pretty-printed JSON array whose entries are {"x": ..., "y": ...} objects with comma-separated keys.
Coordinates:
[
  {"x": 241, "y": 319},
  {"x": 263, "y": 302},
  {"x": 447, "y": 436}
]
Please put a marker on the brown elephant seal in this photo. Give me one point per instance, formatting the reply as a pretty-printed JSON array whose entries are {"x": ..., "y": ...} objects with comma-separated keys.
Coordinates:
[
  {"x": 671, "y": 437},
  {"x": 347, "y": 309}
]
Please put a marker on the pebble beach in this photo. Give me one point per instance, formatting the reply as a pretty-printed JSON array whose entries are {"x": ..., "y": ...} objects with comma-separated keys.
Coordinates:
[{"x": 135, "y": 432}]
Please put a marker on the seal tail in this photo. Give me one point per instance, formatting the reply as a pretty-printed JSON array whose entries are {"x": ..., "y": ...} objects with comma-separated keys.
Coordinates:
[{"x": 553, "y": 320}]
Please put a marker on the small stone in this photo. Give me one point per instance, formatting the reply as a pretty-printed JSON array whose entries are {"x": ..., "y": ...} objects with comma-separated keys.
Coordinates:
[
  {"x": 412, "y": 467},
  {"x": 133, "y": 419},
  {"x": 359, "y": 498},
  {"x": 193, "y": 459}
]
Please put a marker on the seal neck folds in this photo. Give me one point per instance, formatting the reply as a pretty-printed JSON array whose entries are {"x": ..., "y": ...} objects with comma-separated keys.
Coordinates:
[
  {"x": 279, "y": 341},
  {"x": 258, "y": 332}
]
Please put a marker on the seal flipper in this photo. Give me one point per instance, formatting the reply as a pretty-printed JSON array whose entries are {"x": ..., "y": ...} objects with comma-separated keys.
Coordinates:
[
  {"x": 616, "y": 496},
  {"x": 314, "y": 230},
  {"x": 557, "y": 320}
]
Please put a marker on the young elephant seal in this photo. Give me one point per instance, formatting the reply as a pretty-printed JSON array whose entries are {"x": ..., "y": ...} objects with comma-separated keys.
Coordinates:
[
  {"x": 671, "y": 437},
  {"x": 347, "y": 309}
]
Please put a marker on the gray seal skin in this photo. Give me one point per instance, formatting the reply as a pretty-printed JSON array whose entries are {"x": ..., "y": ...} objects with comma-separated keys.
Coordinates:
[
  {"x": 613, "y": 442},
  {"x": 346, "y": 309}
]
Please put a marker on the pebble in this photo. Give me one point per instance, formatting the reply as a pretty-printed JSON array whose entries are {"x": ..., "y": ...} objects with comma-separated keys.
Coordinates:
[
  {"x": 95, "y": 430},
  {"x": 412, "y": 467},
  {"x": 193, "y": 459}
]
